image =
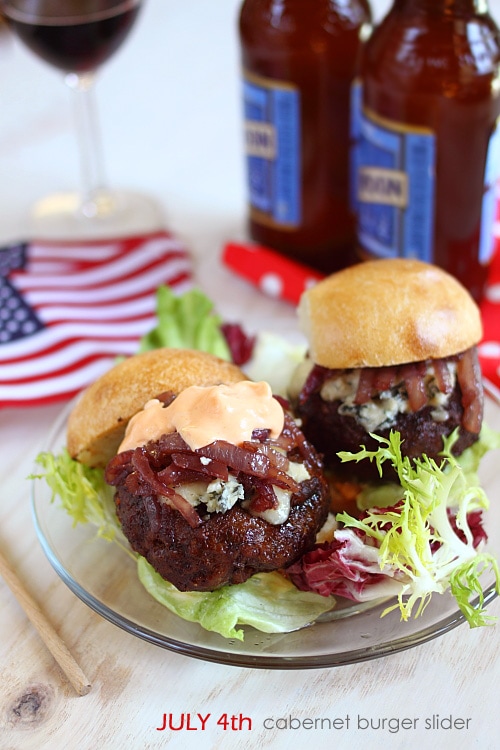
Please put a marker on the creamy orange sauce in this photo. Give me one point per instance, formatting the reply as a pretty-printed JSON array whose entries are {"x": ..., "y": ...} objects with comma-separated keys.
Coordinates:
[{"x": 204, "y": 414}]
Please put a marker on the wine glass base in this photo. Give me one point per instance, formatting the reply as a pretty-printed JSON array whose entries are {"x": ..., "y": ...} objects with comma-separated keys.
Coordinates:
[{"x": 117, "y": 213}]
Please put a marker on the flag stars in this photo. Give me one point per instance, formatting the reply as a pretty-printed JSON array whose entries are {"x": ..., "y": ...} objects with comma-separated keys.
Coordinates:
[{"x": 16, "y": 318}]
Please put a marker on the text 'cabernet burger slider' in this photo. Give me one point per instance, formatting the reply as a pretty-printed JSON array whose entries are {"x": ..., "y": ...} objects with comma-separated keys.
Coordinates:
[{"x": 392, "y": 346}]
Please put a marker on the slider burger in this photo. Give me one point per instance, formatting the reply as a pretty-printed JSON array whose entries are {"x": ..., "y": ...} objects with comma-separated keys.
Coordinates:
[
  {"x": 213, "y": 479},
  {"x": 392, "y": 347}
]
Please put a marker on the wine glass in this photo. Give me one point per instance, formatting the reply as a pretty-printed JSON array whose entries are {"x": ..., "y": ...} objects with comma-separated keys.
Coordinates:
[{"x": 77, "y": 37}]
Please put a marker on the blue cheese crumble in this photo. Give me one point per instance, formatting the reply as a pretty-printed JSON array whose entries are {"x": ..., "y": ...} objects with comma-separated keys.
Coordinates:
[
  {"x": 220, "y": 496},
  {"x": 382, "y": 411}
]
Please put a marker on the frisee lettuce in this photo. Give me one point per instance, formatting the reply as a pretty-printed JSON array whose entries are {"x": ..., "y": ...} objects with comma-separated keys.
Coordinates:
[
  {"x": 465, "y": 583},
  {"x": 416, "y": 539},
  {"x": 83, "y": 493},
  {"x": 383, "y": 494}
]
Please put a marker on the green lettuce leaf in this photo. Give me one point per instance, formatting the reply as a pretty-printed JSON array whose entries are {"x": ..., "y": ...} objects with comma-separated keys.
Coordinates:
[
  {"x": 186, "y": 321},
  {"x": 266, "y": 601},
  {"x": 470, "y": 459}
]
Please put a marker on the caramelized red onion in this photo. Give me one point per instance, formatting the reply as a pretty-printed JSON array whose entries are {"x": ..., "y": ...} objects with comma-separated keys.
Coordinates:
[
  {"x": 444, "y": 378},
  {"x": 469, "y": 378},
  {"x": 259, "y": 465},
  {"x": 376, "y": 380},
  {"x": 214, "y": 469},
  {"x": 413, "y": 377},
  {"x": 276, "y": 458},
  {"x": 240, "y": 344},
  {"x": 263, "y": 496},
  {"x": 141, "y": 464},
  {"x": 238, "y": 458}
]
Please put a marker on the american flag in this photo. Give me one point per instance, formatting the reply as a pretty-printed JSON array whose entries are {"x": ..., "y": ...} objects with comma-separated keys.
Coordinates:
[{"x": 67, "y": 310}]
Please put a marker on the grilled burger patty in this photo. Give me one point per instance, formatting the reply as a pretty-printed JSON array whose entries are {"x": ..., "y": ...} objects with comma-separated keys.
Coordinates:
[
  {"x": 198, "y": 549},
  {"x": 424, "y": 402}
]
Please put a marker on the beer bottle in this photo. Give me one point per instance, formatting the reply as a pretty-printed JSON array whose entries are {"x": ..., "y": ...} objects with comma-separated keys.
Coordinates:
[
  {"x": 426, "y": 158},
  {"x": 299, "y": 61}
]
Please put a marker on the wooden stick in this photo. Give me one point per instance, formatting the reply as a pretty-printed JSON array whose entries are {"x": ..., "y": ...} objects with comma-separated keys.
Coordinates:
[{"x": 56, "y": 646}]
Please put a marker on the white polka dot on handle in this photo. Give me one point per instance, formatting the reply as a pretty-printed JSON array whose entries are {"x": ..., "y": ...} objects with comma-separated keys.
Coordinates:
[
  {"x": 310, "y": 282},
  {"x": 271, "y": 284},
  {"x": 493, "y": 293},
  {"x": 489, "y": 349}
]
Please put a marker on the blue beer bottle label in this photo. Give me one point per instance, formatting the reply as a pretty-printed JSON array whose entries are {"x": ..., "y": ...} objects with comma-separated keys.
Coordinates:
[
  {"x": 489, "y": 202},
  {"x": 272, "y": 143},
  {"x": 392, "y": 184}
]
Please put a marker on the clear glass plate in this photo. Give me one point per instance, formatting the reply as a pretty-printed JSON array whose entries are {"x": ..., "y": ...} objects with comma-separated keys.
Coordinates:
[{"x": 104, "y": 577}]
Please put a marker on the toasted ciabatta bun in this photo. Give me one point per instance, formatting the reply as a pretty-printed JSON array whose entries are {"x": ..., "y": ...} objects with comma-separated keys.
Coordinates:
[
  {"x": 97, "y": 423},
  {"x": 388, "y": 312}
]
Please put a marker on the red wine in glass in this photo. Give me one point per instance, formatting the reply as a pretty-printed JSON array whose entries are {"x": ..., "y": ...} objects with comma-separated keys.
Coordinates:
[
  {"x": 71, "y": 42},
  {"x": 77, "y": 36}
]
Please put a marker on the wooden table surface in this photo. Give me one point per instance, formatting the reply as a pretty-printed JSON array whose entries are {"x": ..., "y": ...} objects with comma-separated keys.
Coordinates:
[{"x": 171, "y": 119}]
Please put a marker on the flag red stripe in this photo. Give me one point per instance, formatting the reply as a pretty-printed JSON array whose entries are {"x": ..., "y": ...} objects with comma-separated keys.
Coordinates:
[{"x": 96, "y": 299}]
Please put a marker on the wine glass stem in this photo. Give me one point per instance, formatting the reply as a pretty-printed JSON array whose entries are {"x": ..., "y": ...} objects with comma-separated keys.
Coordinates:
[{"x": 89, "y": 141}]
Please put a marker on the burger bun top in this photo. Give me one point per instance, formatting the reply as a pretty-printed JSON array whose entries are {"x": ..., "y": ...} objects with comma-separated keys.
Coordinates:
[
  {"x": 97, "y": 423},
  {"x": 387, "y": 312}
]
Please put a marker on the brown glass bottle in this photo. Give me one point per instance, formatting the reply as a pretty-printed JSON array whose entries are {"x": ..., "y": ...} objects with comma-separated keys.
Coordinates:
[
  {"x": 430, "y": 76},
  {"x": 299, "y": 60}
]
